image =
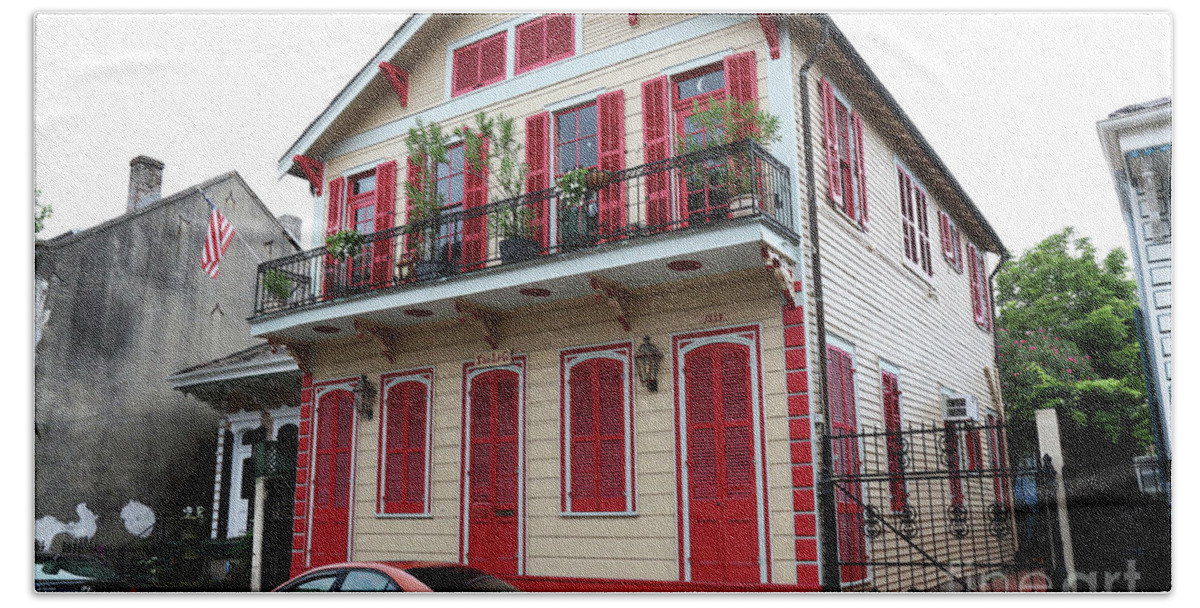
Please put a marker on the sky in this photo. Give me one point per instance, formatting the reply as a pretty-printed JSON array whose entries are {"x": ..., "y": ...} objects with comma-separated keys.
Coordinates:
[{"x": 1009, "y": 101}]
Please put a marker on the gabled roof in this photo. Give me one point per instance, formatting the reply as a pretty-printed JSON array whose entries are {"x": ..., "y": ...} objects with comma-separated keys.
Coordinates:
[{"x": 352, "y": 90}]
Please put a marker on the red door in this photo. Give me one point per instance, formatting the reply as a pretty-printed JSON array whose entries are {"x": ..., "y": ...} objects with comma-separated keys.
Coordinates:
[
  {"x": 331, "y": 482},
  {"x": 723, "y": 520},
  {"x": 852, "y": 544},
  {"x": 493, "y": 530}
]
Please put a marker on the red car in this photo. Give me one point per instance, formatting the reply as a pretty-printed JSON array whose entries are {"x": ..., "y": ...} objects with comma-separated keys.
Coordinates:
[{"x": 395, "y": 576}]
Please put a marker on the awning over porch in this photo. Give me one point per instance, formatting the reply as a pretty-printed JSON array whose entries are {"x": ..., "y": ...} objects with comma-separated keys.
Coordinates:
[{"x": 256, "y": 378}]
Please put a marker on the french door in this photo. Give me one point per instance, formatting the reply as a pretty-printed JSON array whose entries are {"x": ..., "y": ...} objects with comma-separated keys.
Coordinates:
[
  {"x": 330, "y": 531},
  {"x": 493, "y": 486}
]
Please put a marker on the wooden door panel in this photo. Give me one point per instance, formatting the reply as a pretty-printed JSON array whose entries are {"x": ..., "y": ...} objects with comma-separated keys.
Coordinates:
[
  {"x": 331, "y": 482},
  {"x": 493, "y": 530}
]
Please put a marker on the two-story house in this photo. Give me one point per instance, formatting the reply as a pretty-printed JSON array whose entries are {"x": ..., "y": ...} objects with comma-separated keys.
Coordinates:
[{"x": 628, "y": 385}]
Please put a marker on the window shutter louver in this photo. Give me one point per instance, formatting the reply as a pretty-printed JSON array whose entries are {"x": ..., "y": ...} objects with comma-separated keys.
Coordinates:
[
  {"x": 531, "y": 45},
  {"x": 860, "y": 166},
  {"x": 385, "y": 218},
  {"x": 611, "y": 119},
  {"x": 537, "y": 159},
  {"x": 973, "y": 264},
  {"x": 543, "y": 41},
  {"x": 583, "y": 438},
  {"x": 944, "y": 228},
  {"x": 560, "y": 37},
  {"x": 974, "y": 451},
  {"x": 475, "y": 196},
  {"x": 466, "y": 69},
  {"x": 491, "y": 65},
  {"x": 478, "y": 64},
  {"x": 610, "y": 470},
  {"x": 895, "y": 441},
  {"x": 952, "y": 460},
  {"x": 657, "y": 134},
  {"x": 333, "y": 223},
  {"x": 832, "y": 166},
  {"x": 741, "y": 79},
  {"x": 405, "y": 449}
]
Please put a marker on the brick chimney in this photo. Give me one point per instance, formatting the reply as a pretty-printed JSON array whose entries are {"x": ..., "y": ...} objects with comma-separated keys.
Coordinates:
[{"x": 145, "y": 182}]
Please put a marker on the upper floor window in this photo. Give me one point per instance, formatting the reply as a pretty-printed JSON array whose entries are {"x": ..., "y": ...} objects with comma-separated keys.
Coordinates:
[
  {"x": 575, "y": 139},
  {"x": 951, "y": 241},
  {"x": 479, "y": 64},
  {"x": 844, "y": 155},
  {"x": 543, "y": 41},
  {"x": 980, "y": 300},
  {"x": 915, "y": 220}
]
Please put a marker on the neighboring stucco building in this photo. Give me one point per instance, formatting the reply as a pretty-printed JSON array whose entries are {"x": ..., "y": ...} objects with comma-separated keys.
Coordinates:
[
  {"x": 1136, "y": 141},
  {"x": 128, "y": 304},
  {"x": 465, "y": 404}
]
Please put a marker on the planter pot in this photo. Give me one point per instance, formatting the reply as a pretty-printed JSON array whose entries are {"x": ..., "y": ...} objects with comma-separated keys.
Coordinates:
[
  {"x": 518, "y": 249},
  {"x": 574, "y": 228},
  {"x": 427, "y": 270},
  {"x": 598, "y": 179},
  {"x": 743, "y": 205}
]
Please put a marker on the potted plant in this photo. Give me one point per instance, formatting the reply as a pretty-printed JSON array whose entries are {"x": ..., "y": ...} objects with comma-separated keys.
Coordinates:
[
  {"x": 499, "y": 160},
  {"x": 277, "y": 287},
  {"x": 344, "y": 244},
  {"x": 428, "y": 146},
  {"x": 729, "y": 181},
  {"x": 512, "y": 223},
  {"x": 575, "y": 227}
]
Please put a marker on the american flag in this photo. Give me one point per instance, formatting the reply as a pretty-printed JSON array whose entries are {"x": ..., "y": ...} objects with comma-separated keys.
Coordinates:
[{"x": 217, "y": 240}]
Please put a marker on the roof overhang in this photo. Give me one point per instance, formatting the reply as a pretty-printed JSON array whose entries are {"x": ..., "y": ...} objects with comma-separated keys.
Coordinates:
[
  {"x": 1113, "y": 130},
  {"x": 265, "y": 381},
  {"x": 351, "y": 91}
]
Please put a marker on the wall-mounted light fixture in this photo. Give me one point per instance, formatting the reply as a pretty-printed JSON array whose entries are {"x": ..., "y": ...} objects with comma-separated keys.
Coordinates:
[
  {"x": 646, "y": 361},
  {"x": 364, "y": 398}
]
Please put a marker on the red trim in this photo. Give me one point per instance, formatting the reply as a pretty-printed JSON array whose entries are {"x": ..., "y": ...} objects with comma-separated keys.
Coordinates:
[
  {"x": 383, "y": 506},
  {"x": 537, "y": 158},
  {"x": 610, "y": 144},
  {"x": 300, "y": 525},
  {"x": 398, "y": 78},
  {"x": 540, "y": 33},
  {"x": 656, "y": 118},
  {"x": 633, "y": 19},
  {"x": 313, "y": 170},
  {"x": 770, "y": 28},
  {"x": 564, "y": 584},
  {"x": 622, "y": 352}
]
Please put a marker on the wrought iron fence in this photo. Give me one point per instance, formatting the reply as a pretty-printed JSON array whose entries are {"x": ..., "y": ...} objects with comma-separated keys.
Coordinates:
[
  {"x": 694, "y": 190},
  {"x": 928, "y": 507}
]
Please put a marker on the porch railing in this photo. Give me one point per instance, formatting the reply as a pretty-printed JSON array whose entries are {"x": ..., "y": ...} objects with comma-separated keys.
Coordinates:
[{"x": 692, "y": 191}]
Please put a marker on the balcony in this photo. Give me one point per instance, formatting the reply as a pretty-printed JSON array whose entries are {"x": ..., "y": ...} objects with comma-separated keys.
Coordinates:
[{"x": 706, "y": 201}]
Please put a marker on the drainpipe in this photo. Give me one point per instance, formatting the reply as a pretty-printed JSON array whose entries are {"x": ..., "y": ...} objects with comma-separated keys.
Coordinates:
[{"x": 826, "y": 501}]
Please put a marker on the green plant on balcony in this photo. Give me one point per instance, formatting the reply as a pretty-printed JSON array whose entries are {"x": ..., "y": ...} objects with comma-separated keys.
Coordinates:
[
  {"x": 428, "y": 146},
  {"x": 725, "y": 122},
  {"x": 493, "y": 153},
  {"x": 278, "y": 285},
  {"x": 344, "y": 244},
  {"x": 575, "y": 228}
]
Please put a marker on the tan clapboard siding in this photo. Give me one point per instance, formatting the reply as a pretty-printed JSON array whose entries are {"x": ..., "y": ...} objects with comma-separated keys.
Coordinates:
[
  {"x": 627, "y": 76},
  {"x": 602, "y": 30},
  {"x": 641, "y": 546}
]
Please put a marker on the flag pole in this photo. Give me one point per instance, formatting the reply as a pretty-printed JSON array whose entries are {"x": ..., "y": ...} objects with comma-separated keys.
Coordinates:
[{"x": 236, "y": 233}]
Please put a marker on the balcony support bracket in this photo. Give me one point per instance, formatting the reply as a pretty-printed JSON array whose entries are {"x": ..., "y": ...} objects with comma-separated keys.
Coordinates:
[
  {"x": 483, "y": 318},
  {"x": 782, "y": 269},
  {"x": 616, "y": 296},
  {"x": 387, "y": 336},
  {"x": 300, "y": 351}
]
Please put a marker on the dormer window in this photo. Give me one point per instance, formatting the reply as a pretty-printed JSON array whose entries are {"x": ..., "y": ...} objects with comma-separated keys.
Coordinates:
[{"x": 479, "y": 64}]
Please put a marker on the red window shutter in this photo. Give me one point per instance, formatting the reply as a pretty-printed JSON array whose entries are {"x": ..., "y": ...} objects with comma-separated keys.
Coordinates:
[
  {"x": 611, "y": 119},
  {"x": 385, "y": 218},
  {"x": 610, "y": 470},
  {"x": 907, "y": 219},
  {"x": 974, "y": 451},
  {"x": 860, "y": 167},
  {"x": 398, "y": 79},
  {"x": 333, "y": 223},
  {"x": 583, "y": 439},
  {"x": 466, "y": 70},
  {"x": 952, "y": 460},
  {"x": 337, "y": 196},
  {"x": 923, "y": 229},
  {"x": 895, "y": 441},
  {"x": 740, "y": 78},
  {"x": 531, "y": 45},
  {"x": 475, "y": 195},
  {"x": 491, "y": 67},
  {"x": 560, "y": 37},
  {"x": 832, "y": 165},
  {"x": 537, "y": 158},
  {"x": 944, "y": 229},
  {"x": 657, "y": 134},
  {"x": 972, "y": 263}
]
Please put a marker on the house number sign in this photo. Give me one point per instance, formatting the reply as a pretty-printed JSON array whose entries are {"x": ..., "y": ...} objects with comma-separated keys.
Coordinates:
[
  {"x": 495, "y": 358},
  {"x": 714, "y": 317}
]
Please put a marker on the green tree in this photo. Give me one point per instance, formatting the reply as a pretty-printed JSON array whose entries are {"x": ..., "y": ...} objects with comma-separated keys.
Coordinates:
[
  {"x": 1067, "y": 338},
  {"x": 41, "y": 212}
]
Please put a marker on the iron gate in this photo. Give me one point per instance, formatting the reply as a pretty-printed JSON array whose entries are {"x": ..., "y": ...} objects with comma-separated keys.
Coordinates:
[{"x": 936, "y": 508}]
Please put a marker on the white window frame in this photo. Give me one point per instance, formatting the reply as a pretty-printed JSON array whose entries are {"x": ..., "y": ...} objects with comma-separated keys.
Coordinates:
[
  {"x": 426, "y": 377},
  {"x": 918, "y": 185}
]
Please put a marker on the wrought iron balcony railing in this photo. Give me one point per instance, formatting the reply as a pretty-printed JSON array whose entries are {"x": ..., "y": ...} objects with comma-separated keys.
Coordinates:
[{"x": 687, "y": 192}]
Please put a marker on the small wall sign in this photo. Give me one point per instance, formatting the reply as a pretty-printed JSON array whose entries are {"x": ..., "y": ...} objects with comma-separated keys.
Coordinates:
[
  {"x": 495, "y": 358},
  {"x": 714, "y": 317}
]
